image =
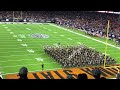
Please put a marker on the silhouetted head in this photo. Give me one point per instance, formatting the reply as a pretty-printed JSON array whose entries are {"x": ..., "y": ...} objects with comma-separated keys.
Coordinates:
[
  {"x": 118, "y": 76},
  {"x": 96, "y": 73},
  {"x": 69, "y": 76},
  {"x": 23, "y": 73},
  {"x": 82, "y": 76}
]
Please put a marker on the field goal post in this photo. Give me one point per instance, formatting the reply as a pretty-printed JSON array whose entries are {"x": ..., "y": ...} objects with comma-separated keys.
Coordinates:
[
  {"x": 16, "y": 18},
  {"x": 117, "y": 67}
]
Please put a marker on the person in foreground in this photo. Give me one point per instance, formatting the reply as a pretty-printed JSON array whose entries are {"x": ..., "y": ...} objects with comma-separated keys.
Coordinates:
[
  {"x": 97, "y": 73},
  {"x": 23, "y": 73},
  {"x": 82, "y": 76}
]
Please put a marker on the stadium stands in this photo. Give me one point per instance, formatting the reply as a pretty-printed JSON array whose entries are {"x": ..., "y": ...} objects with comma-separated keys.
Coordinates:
[{"x": 93, "y": 23}]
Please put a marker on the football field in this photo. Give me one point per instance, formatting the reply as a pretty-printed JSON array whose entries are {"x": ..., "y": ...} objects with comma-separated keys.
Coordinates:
[{"x": 22, "y": 45}]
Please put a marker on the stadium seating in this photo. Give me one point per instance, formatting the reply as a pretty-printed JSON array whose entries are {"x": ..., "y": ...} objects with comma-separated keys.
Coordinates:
[{"x": 93, "y": 23}]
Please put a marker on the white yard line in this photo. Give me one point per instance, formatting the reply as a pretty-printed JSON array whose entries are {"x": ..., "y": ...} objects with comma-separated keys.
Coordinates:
[
  {"x": 44, "y": 27},
  {"x": 6, "y": 33},
  {"x": 8, "y": 45},
  {"x": 79, "y": 42},
  {"x": 69, "y": 38},
  {"x": 21, "y": 60},
  {"x": 6, "y": 36},
  {"x": 19, "y": 55},
  {"x": 16, "y": 51},
  {"x": 91, "y": 47},
  {"x": 28, "y": 28},
  {"x": 18, "y": 44},
  {"x": 84, "y": 36},
  {"x": 19, "y": 48},
  {"x": 15, "y": 40},
  {"x": 5, "y": 27},
  {"x": 7, "y": 40},
  {"x": 25, "y": 65},
  {"x": 29, "y": 46},
  {"x": 54, "y": 32},
  {"x": 62, "y": 35},
  {"x": 17, "y": 60}
]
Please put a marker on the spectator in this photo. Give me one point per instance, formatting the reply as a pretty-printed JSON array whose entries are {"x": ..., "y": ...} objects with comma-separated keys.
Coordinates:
[
  {"x": 69, "y": 76},
  {"x": 97, "y": 74},
  {"x": 82, "y": 76},
  {"x": 23, "y": 73},
  {"x": 118, "y": 76}
]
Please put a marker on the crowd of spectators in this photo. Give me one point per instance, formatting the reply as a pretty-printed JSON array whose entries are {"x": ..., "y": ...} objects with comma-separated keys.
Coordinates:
[
  {"x": 25, "y": 16},
  {"x": 77, "y": 56},
  {"x": 91, "y": 22}
]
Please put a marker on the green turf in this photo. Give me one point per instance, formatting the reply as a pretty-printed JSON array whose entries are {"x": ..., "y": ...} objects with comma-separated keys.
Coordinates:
[{"x": 13, "y": 55}]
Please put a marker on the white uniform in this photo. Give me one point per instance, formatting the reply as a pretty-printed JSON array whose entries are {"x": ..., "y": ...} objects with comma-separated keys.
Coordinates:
[{"x": 1, "y": 75}]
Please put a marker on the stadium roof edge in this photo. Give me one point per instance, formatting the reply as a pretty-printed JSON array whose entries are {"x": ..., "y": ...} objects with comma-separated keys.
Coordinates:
[{"x": 109, "y": 12}]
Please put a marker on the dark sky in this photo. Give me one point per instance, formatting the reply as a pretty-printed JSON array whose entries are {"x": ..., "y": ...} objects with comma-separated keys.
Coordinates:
[{"x": 97, "y": 5}]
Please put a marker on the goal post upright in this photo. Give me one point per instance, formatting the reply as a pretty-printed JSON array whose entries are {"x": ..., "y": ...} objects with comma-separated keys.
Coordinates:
[
  {"x": 13, "y": 16},
  {"x": 108, "y": 26},
  {"x": 21, "y": 14},
  {"x": 117, "y": 67}
]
